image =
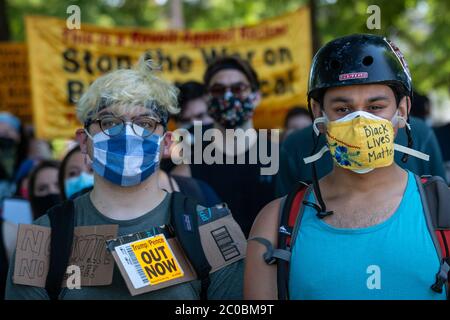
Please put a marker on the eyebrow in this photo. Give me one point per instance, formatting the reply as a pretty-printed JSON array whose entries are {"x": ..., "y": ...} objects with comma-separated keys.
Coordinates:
[
  {"x": 109, "y": 113},
  {"x": 73, "y": 166},
  {"x": 147, "y": 114},
  {"x": 228, "y": 85},
  {"x": 349, "y": 100},
  {"x": 341, "y": 99},
  {"x": 105, "y": 113},
  {"x": 377, "y": 98}
]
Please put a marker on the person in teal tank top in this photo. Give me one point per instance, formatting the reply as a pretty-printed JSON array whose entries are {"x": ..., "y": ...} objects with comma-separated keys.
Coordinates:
[
  {"x": 363, "y": 233},
  {"x": 394, "y": 259}
]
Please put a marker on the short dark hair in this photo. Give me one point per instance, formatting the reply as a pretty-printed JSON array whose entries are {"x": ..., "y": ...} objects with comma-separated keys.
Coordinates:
[
  {"x": 62, "y": 168},
  {"x": 189, "y": 91},
  {"x": 232, "y": 62},
  {"x": 294, "y": 112}
]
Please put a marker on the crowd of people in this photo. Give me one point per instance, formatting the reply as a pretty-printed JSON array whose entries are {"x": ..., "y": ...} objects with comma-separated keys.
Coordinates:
[{"x": 356, "y": 209}]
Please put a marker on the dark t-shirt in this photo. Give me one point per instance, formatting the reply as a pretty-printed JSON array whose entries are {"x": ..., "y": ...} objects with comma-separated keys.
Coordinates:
[
  {"x": 443, "y": 137},
  {"x": 226, "y": 283},
  {"x": 197, "y": 190},
  {"x": 242, "y": 186}
]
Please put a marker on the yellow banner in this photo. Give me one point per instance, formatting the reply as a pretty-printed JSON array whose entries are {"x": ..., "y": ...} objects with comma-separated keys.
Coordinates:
[
  {"x": 64, "y": 62},
  {"x": 14, "y": 81}
]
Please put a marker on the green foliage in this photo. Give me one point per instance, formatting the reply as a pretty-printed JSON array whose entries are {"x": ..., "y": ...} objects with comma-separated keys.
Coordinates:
[{"x": 419, "y": 26}]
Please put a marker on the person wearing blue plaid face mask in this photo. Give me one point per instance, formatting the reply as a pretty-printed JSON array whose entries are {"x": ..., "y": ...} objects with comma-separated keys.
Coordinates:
[
  {"x": 124, "y": 137},
  {"x": 125, "y": 152},
  {"x": 124, "y": 149}
]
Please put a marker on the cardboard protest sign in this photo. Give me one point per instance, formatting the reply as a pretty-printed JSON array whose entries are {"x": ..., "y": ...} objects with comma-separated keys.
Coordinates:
[
  {"x": 32, "y": 253},
  {"x": 222, "y": 239},
  {"x": 151, "y": 263},
  {"x": 89, "y": 253},
  {"x": 64, "y": 62}
]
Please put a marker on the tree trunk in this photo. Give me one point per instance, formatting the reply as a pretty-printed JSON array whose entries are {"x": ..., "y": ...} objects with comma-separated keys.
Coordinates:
[
  {"x": 176, "y": 14},
  {"x": 4, "y": 23},
  {"x": 314, "y": 31}
]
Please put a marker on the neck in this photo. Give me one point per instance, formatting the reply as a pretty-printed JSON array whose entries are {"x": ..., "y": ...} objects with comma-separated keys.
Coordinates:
[
  {"x": 350, "y": 182},
  {"x": 126, "y": 203}
]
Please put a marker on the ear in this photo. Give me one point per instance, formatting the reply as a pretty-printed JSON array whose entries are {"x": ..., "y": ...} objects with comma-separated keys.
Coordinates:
[
  {"x": 317, "y": 113},
  {"x": 81, "y": 138},
  {"x": 167, "y": 144},
  {"x": 404, "y": 108}
]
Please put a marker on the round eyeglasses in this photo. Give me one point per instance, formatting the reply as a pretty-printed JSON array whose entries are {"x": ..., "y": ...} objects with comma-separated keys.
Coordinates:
[
  {"x": 143, "y": 126},
  {"x": 219, "y": 90}
]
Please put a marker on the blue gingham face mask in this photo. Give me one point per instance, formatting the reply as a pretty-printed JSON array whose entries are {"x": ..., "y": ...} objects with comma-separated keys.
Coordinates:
[{"x": 125, "y": 159}]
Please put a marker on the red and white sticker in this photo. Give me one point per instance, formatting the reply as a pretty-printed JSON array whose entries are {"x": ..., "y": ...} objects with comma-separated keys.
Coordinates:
[{"x": 354, "y": 75}]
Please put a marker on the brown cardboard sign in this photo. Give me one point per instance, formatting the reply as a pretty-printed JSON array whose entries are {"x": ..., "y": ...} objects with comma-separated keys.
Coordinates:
[
  {"x": 32, "y": 255},
  {"x": 89, "y": 253},
  {"x": 223, "y": 242}
]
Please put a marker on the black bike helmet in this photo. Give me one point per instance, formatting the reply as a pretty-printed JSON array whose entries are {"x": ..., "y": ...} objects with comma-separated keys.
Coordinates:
[
  {"x": 359, "y": 59},
  {"x": 352, "y": 60}
]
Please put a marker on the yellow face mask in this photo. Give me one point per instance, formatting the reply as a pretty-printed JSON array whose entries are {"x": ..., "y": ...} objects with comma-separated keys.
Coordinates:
[{"x": 361, "y": 142}]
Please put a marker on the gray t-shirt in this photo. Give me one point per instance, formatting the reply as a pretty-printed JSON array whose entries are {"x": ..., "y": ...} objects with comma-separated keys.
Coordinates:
[{"x": 226, "y": 283}]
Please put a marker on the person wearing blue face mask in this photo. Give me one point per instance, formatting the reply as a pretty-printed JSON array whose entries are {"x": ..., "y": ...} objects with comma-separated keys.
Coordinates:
[
  {"x": 75, "y": 176},
  {"x": 123, "y": 139}
]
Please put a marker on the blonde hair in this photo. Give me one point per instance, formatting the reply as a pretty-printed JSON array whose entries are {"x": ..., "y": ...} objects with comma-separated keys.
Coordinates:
[{"x": 125, "y": 89}]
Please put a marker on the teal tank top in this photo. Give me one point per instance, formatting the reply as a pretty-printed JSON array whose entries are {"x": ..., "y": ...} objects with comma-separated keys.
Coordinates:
[{"x": 395, "y": 259}]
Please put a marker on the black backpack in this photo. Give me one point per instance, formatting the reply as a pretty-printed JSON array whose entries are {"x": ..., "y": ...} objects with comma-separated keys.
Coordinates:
[
  {"x": 435, "y": 196},
  {"x": 62, "y": 223}
]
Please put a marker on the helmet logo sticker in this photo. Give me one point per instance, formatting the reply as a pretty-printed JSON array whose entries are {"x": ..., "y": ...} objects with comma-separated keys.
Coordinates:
[{"x": 354, "y": 75}]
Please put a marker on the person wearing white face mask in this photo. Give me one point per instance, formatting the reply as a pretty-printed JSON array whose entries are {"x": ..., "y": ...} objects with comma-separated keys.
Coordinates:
[{"x": 368, "y": 229}]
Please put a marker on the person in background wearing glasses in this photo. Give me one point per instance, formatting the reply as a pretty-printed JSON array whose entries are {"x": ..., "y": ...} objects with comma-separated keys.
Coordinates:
[
  {"x": 125, "y": 115},
  {"x": 193, "y": 105},
  {"x": 233, "y": 95}
]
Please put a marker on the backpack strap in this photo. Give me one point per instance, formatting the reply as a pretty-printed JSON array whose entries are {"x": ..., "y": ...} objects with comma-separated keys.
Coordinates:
[
  {"x": 185, "y": 222},
  {"x": 289, "y": 215},
  {"x": 291, "y": 210},
  {"x": 435, "y": 196},
  {"x": 62, "y": 224},
  {"x": 272, "y": 255}
]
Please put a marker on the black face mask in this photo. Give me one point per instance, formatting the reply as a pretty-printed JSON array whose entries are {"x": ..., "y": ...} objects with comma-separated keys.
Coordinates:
[
  {"x": 8, "y": 153},
  {"x": 42, "y": 204}
]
